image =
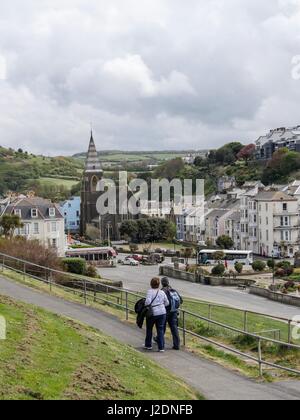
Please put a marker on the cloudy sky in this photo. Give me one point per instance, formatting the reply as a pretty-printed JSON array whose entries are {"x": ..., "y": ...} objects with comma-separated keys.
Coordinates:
[{"x": 149, "y": 74}]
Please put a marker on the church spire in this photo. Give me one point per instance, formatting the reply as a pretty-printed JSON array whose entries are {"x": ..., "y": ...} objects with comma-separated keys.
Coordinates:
[{"x": 92, "y": 163}]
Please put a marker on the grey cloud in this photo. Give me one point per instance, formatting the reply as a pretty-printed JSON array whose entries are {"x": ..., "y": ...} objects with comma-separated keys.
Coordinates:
[{"x": 153, "y": 74}]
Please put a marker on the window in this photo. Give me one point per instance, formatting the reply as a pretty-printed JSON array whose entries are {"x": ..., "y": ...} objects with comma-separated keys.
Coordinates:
[
  {"x": 267, "y": 207},
  {"x": 34, "y": 213},
  {"x": 53, "y": 227},
  {"x": 267, "y": 235},
  {"x": 267, "y": 221},
  {"x": 52, "y": 212},
  {"x": 54, "y": 243},
  {"x": 18, "y": 212},
  {"x": 78, "y": 213},
  {"x": 284, "y": 206},
  {"x": 36, "y": 229}
]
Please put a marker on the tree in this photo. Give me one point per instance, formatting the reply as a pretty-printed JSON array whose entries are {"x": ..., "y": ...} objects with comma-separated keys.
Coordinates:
[
  {"x": 247, "y": 153},
  {"x": 170, "y": 169},
  {"x": 239, "y": 267},
  {"x": 225, "y": 242},
  {"x": 282, "y": 164},
  {"x": 218, "y": 270},
  {"x": 259, "y": 266},
  {"x": 9, "y": 223},
  {"x": 227, "y": 154},
  {"x": 143, "y": 230},
  {"x": 129, "y": 228},
  {"x": 187, "y": 253},
  {"x": 219, "y": 256}
]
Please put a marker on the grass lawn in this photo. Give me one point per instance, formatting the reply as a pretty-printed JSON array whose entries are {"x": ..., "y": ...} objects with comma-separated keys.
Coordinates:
[
  {"x": 58, "y": 181},
  {"x": 46, "y": 357}
]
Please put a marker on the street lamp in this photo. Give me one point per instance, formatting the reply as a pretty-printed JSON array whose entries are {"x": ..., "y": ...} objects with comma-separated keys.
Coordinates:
[{"x": 273, "y": 267}]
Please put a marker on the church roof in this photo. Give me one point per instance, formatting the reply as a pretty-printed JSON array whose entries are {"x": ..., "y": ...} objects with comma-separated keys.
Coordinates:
[{"x": 92, "y": 163}]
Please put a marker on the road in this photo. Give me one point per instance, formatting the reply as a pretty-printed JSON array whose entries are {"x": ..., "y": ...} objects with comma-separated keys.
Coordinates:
[
  {"x": 138, "y": 279},
  {"x": 208, "y": 378}
]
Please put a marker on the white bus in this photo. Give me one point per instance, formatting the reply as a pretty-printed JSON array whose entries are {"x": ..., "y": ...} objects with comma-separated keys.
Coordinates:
[{"x": 207, "y": 257}]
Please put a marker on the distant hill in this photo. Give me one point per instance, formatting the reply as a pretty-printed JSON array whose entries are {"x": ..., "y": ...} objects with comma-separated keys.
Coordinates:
[{"x": 21, "y": 170}]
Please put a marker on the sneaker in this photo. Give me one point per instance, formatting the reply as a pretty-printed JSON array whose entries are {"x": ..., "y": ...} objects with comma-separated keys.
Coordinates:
[
  {"x": 176, "y": 348},
  {"x": 148, "y": 348},
  {"x": 161, "y": 351}
]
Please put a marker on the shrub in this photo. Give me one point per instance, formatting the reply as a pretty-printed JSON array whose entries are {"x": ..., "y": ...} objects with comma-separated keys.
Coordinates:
[
  {"x": 75, "y": 265},
  {"x": 133, "y": 248},
  {"x": 259, "y": 266},
  {"x": 92, "y": 272},
  {"x": 280, "y": 272},
  {"x": 239, "y": 268},
  {"x": 271, "y": 264},
  {"x": 32, "y": 251},
  {"x": 284, "y": 264},
  {"x": 218, "y": 270}
]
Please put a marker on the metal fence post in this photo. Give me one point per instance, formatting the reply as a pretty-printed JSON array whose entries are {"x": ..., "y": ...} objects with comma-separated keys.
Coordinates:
[
  {"x": 246, "y": 321},
  {"x": 290, "y": 331},
  {"x": 127, "y": 308},
  {"x": 85, "y": 299},
  {"x": 260, "y": 358},
  {"x": 184, "y": 328},
  {"x": 24, "y": 271},
  {"x": 50, "y": 281}
]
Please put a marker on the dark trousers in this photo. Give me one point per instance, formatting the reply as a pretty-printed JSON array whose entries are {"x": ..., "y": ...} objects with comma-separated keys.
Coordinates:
[
  {"x": 160, "y": 323},
  {"x": 172, "y": 321}
]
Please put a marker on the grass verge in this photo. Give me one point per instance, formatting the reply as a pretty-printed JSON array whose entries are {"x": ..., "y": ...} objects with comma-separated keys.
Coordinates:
[{"x": 47, "y": 357}]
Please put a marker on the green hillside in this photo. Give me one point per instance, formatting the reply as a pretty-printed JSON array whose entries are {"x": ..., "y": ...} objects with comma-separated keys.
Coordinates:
[
  {"x": 46, "y": 357},
  {"x": 21, "y": 171}
]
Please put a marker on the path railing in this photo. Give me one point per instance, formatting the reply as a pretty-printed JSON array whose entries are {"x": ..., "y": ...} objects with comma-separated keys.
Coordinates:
[{"x": 191, "y": 324}]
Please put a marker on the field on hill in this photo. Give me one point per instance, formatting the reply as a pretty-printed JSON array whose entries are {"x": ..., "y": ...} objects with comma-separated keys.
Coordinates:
[{"x": 46, "y": 357}]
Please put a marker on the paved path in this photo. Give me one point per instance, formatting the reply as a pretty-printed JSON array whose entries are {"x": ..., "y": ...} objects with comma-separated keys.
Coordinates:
[
  {"x": 211, "y": 380},
  {"x": 138, "y": 279}
]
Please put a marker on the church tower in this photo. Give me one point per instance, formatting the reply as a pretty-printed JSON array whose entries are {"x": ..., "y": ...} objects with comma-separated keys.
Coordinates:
[{"x": 92, "y": 175}]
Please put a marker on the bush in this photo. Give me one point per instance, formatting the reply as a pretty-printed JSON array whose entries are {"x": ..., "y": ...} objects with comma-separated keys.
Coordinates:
[
  {"x": 280, "y": 272},
  {"x": 218, "y": 270},
  {"x": 259, "y": 266},
  {"x": 284, "y": 267},
  {"x": 284, "y": 264},
  {"x": 271, "y": 264},
  {"x": 133, "y": 248},
  {"x": 32, "y": 251},
  {"x": 239, "y": 268},
  {"x": 75, "y": 265},
  {"x": 92, "y": 272}
]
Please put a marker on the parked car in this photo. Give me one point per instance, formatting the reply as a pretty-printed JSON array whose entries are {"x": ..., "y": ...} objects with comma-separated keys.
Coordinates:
[
  {"x": 158, "y": 258},
  {"x": 136, "y": 257},
  {"x": 130, "y": 261}
]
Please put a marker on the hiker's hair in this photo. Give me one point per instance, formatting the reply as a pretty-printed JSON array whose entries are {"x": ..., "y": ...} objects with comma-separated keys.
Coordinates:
[{"x": 155, "y": 283}]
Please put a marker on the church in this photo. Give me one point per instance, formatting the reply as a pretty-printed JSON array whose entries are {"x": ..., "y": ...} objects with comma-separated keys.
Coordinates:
[{"x": 93, "y": 225}]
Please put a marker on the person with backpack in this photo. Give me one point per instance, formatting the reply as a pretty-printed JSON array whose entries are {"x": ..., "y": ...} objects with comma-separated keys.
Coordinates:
[
  {"x": 175, "y": 300},
  {"x": 156, "y": 315}
]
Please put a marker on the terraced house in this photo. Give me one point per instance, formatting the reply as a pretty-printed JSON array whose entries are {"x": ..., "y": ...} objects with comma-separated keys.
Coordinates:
[{"x": 42, "y": 220}]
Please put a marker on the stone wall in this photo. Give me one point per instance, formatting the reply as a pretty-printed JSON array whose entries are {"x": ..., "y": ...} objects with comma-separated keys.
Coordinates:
[
  {"x": 275, "y": 296},
  {"x": 169, "y": 271}
]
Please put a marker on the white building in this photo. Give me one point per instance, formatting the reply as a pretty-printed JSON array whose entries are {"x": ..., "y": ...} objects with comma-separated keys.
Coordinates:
[
  {"x": 42, "y": 221},
  {"x": 278, "y": 224}
]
